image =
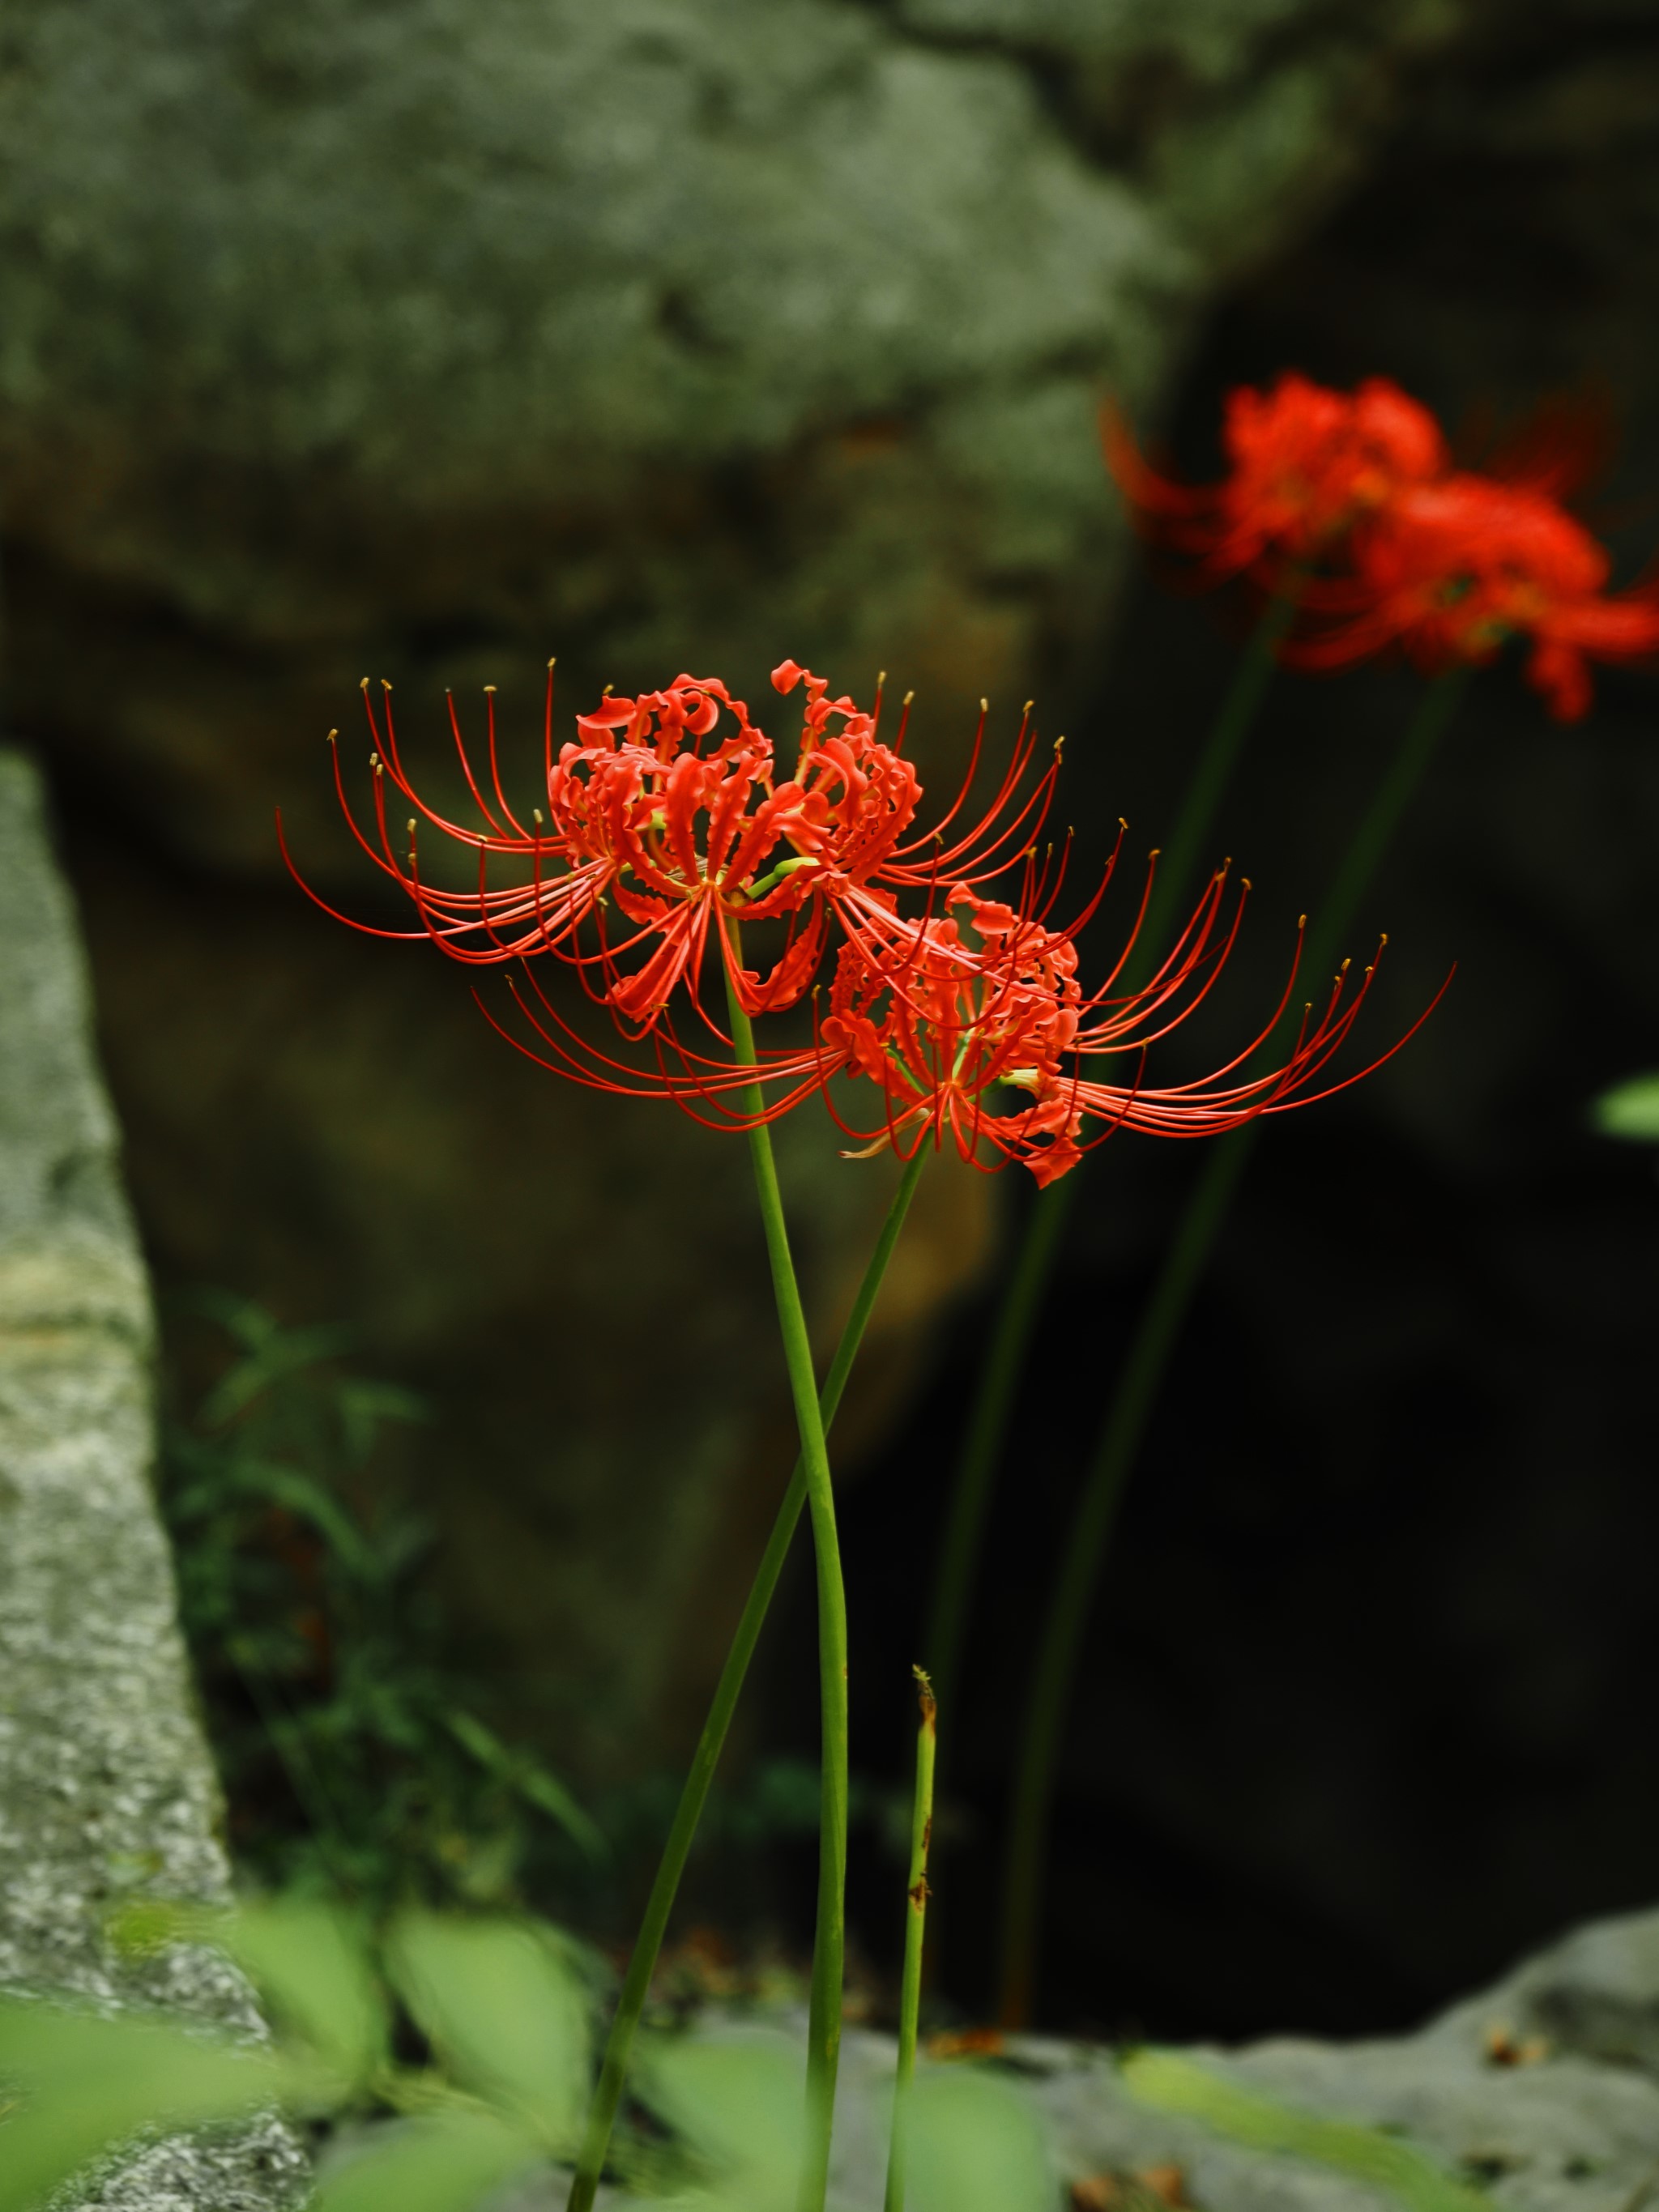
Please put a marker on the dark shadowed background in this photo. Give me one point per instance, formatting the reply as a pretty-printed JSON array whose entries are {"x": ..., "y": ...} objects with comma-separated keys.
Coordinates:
[{"x": 427, "y": 341}]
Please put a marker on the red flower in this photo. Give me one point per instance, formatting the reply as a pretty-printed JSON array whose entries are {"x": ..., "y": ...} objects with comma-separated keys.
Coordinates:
[
  {"x": 984, "y": 1034},
  {"x": 945, "y": 1025},
  {"x": 1454, "y": 570},
  {"x": 670, "y": 810},
  {"x": 965, "y": 1011},
  {"x": 1308, "y": 464}
]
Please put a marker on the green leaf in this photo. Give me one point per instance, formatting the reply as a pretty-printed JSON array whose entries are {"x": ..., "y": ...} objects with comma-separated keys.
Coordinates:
[
  {"x": 89, "y": 2084},
  {"x": 530, "y": 1779},
  {"x": 974, "y": 2146},
  {"x": 308, "y": 1500},
  {"x": 504, "y": 2011},
  {"x": 281, "y": 1352},
  {"x": 737, "y": 2103},
  {"x": 442, "y": 2163},
  {"x": 1630, "y": 1109},
  {"x": 1173, "y": 2084},
  {"x": 308, "y": 1960},
  {"x": 363, "y": 1408}
]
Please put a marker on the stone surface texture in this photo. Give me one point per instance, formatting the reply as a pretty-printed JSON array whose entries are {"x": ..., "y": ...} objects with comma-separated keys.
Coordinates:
[
  {"x": 1573, "y": 2129},
  {"x": 425, "y": 340},
  {"x": 106, "y": 1789}
]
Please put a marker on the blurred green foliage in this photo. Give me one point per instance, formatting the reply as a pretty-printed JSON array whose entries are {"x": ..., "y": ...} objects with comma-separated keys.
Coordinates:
[
  {"x": 498, "y": 2010},
  {"x": 352, "y": 1754},
  {"x": 438, "y": 2058},
  {"x": 1630, "y": 1109},
  {"x": 355, "y": 1758},
  {"x": 1169, "y": 2082}
]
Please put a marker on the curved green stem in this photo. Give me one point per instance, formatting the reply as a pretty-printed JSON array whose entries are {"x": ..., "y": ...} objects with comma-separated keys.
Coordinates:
[
  {"x": 830, "y": 1940},
  {"x": 648, "y": 1944},
  {"x": 985, "y": 1433},
  {"x": 915, "y": 1929},
  {"x": 1049, "y": 1698}
]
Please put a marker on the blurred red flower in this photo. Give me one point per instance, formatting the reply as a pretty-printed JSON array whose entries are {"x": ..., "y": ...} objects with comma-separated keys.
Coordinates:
[
  {"x": 1451, "y": 571},
  {"x": 1308, "y": 464}
]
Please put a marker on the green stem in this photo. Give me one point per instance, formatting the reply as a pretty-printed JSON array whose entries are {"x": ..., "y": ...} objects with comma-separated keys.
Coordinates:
[
  {"x": 915, "y": 1929},
  {"x": 987, "y": 1426},
  {"x": 1382, "y": 819},
  {"x": 647, "y": 1945},
  {"x": 830, "y": 1939},
  {"x": 1212, "y": 772},
  {"x": 985, "y": 1434},
  {"x": 1049, "y": 1698}
]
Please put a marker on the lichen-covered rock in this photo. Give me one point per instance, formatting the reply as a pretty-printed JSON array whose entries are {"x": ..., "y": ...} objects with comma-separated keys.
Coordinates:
[
  {"x": 106, "y": 1789},
  {"x": 427, "y": 339},
  {"x": 415, "y": 337}
]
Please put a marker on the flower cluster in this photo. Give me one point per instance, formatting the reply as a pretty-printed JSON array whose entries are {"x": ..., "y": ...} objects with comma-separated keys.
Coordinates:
[
  {"x": 1349, "y": 503},
  {"x": 942, "y": 989}
]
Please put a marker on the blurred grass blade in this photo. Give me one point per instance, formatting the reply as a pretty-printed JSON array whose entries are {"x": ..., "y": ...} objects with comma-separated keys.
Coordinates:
[
  {"x": 504, "y": 2011},
  {"x": 1173, "y": 2084},
  {"x": 308, "y": 1500},
  {"x": 530, "y": 1779},
  {"x": 364, "y": 1406},
  {"x": 445, "y": 2163},
  {"x": 1629, "y": 1111},
  {"x": 972, "y": 2144},
  {"x": 309, "y": 1961},
  {"x": 87, "y": 2085},
  {"x": 282, "y": 1353}
]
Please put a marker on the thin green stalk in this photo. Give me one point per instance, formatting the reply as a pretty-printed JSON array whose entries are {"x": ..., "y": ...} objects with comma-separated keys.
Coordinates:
[
  {"x": 985, "y": 1434},
  {"x": 915, "y": 1929},
  {"x": 987, "y": 1427},
  {"x": 1049, "y": 1698},
  {"x": 1212, "y": 772},
  {"x": 648, "y": 1944},
  {"x": 830, "y": 1938}
]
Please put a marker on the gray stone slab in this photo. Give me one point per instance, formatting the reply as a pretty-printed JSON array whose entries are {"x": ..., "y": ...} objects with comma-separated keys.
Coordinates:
[
  {"x": 105, "y": 1784},
  {"x": 1573, "y": 2129}
]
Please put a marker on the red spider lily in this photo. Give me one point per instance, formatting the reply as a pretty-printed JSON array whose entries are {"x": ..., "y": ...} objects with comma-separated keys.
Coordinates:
[
  {"x": 968, "y": 1016},
  {"x": 945, "y": 1026},
  {"x": 1209, "y": 1105},
  {"x": 1308, "y": 464},
  {"x": 961, "y": 1009},
  {"x": 982, "y": 1033},
  {"x": 1452, "y": 571},
  {"x": 669, "y": 810}
]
